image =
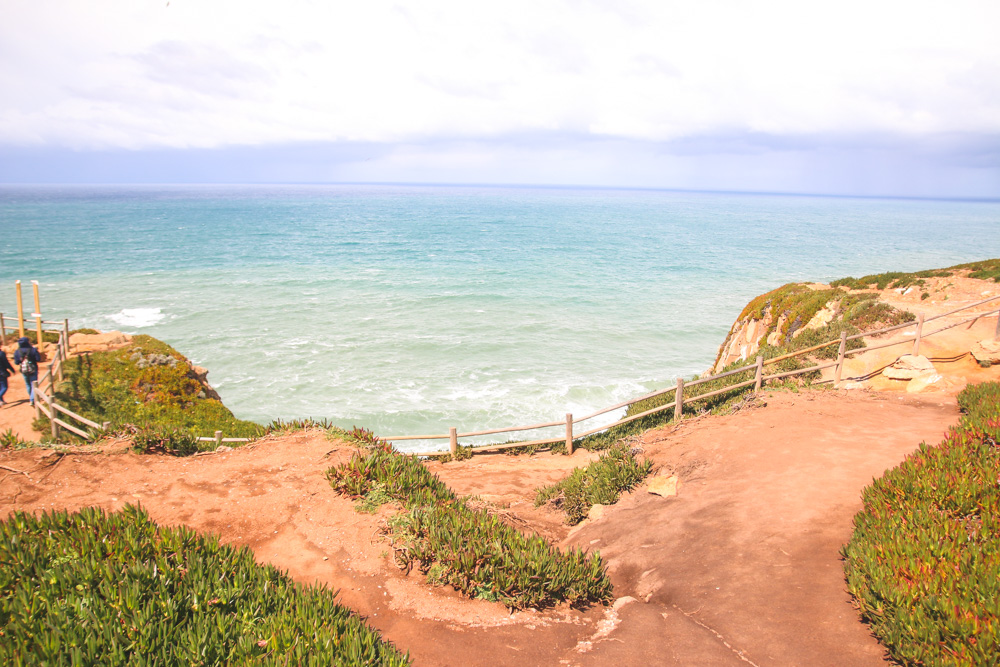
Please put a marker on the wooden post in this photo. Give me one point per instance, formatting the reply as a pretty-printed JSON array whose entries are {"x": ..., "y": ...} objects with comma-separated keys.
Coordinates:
[
  {"x": 996, "y": 334},
  {"x": 3, "y": 331},
  {"x": 38, "y": 409},
  {"x": 105, "y": 426},
  {"x": 59, "y": 367},
  {"x": 569, "y": 432},
  {"x": 66, "y": 338},
  {"x": 20, "y": 310},
  {"x": 453, "y": 440},
  {"x": 679, "y": 400},
  {"x": 218, "y": 439},
  {"x": 840, "y": 358},
  {"x": 37, "y": 314},
  {"x": 760, "y": 374},
  {"x": 920, "y": 331},
  {"x": 52, "y": 411}
]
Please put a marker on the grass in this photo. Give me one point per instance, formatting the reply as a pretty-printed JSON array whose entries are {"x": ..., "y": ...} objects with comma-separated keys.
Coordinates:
[
  {"x": 987, "y": 269},
  {"x": 93, "y": 588},
  {"x": 149, "y": 387},
  {"x": 470, "y": 549},
  {"x": 923, "y": 562},
  {"x": 600, "y": 483}
]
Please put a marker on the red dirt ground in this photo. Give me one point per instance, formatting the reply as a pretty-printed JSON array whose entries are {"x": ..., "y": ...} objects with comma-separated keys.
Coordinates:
[{"x": 741, "y": 567}]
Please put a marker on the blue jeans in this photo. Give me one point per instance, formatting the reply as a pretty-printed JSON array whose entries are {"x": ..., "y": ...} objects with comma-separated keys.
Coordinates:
[
  {"x": 3, "y": 386},
  {"x": 28, "y": 379}
]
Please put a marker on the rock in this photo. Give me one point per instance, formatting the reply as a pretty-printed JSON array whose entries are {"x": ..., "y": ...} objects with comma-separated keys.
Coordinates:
[
  {"x": 852, "y": 385},
  {"x": 908, "y": 367},
  {"x": 819, "y": 320},
  {"x": 987, "y": 351},
  {"x": 663, "y": 485},
  {"x": 100, "y": 342},
  {"x": 622, "y": 601},
  {"x": 223, "y": 448},
  {"x": 921, "y": 382},
  {"x": 596, "y": 512}
]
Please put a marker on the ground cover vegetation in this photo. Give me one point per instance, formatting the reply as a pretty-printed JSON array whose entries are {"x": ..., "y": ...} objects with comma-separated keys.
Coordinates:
[
  {"x": 987, "y": 269},
  {"x": 923, "y": 562},
  {"x": 600, "y": 483},
  {"x": 92, "y": 588},
  {"x": 147, "y": 391},
  {"x": 467, "y": 547}
]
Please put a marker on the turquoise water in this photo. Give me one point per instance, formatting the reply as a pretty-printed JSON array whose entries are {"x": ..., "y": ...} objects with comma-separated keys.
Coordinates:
[{"x": 413, "y": 309}]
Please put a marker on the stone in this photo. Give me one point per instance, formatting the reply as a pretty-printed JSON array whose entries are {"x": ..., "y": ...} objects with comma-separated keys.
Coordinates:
[
  {"x": 986, "y": 351},
  {"x": 908, "y": 367},
  {"x": 662, "y": 485},
  {"x": 596, "y": 512},
  {"x": 622, "y": 601},
  {"x": 921, "y": 382},
  {"x": 823, "y": 317}
]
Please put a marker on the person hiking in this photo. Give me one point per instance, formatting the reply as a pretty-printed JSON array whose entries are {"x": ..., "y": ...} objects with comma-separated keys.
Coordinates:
[
  {"x": 27, "y": 358},
  {"x": 6, "y": 370}
]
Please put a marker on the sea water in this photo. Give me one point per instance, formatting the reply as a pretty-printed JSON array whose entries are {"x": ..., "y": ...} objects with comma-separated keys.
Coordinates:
[{"x": 408, "y": 310}]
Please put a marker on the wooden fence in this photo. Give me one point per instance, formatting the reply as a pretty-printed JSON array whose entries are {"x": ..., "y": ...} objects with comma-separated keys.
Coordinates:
[
  {"x": 45, "y": 401},
  {"x": 679, "y": 401}
]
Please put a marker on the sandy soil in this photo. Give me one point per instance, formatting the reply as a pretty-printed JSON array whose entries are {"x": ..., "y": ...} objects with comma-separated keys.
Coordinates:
[{"x": 741, "y": 566}]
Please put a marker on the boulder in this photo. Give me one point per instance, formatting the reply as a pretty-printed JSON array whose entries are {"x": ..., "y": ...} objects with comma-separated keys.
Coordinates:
[
  {"x": 663, "y": 485},
  {"x": 987, "y": 351},
  {"x": 922, "y": 382},
  {"x": 908, "y": 367},
  {"x": 596, "y": 512}
]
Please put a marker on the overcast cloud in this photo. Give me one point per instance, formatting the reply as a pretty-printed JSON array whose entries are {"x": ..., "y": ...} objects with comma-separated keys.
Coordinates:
[{"x": 898, "y": 98}]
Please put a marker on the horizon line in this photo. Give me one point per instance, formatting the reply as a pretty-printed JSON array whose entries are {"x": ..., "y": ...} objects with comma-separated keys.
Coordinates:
[{"x": 530, "y": 186}]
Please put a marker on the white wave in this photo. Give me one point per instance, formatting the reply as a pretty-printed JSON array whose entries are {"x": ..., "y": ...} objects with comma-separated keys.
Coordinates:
[{"x": 138, "y": 317}]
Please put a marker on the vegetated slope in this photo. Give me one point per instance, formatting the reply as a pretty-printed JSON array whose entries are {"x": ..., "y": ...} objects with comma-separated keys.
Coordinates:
[
  {"x": 799, "y": 315},
  {"x": 469, "y": 548},
  {"x": 147, "y": 385},
  {"x": 115, "y": 589},
  {"x": 924, "y": 560}
]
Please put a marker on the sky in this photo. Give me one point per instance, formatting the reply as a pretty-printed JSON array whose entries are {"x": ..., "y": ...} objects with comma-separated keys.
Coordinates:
[{"x": 896, "y": 98}]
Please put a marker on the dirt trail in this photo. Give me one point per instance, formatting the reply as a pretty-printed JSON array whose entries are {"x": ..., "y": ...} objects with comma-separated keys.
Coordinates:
[{"x": 742, "y": 567}]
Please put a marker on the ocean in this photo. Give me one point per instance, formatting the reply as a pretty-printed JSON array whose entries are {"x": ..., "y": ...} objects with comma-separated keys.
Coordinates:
[{"x": 411, "y": 309}]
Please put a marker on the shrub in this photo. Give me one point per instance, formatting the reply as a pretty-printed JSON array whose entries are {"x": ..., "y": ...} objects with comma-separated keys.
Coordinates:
[
  {"x": 924, "y": 561},
  {"x": 11, "y": 440},
  {"x": 468, "y": 548},
  {"x": 115, "y": 589},
  {"x": 600, "y": 483},
  {"x": 164, "y": 441}
]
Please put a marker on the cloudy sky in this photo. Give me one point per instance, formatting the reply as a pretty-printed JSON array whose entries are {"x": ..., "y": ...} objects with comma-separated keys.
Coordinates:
[{"x": 873, "y": 97}]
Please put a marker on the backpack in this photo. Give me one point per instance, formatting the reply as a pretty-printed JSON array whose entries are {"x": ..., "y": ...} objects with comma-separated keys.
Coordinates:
[{"x": 28, "y": 365}]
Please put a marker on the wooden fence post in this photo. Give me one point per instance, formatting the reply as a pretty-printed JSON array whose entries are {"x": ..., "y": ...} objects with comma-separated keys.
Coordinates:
[
  {"x": 20, "y": 309},
  {"x": 218, "y": 439},
  {"x": 59, "y": 368},
  {"x": 3, "y": 331},
  {"x": 453, "y": 440},
  {"x": 569, "y": 432},
  {"x": 996, "y": 334},
  {"x": 52, "y": 411},
  {"x": 840, "y": 358},
  {"x": 679, "y": 400},
  {"x": 66, "y": 338},
  {"x": 37, "y": 314},
  {"x": 34, "y": 392},
  {"x": 920, "y": 331},
  {"x": 760, "y": 374},
  {"x": 105, "y": 426}
]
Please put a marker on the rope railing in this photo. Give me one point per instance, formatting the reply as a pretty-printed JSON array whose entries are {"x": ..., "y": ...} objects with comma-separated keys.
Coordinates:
[
  {"x": 46, "y": 403},
  {"x": 679, "y": 400}
]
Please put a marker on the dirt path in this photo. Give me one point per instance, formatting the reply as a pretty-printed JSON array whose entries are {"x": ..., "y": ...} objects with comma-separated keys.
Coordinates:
[{"x": 742, "y": 567}]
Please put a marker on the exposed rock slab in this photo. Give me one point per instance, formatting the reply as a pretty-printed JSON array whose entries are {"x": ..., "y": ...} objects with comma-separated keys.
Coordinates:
[
  {"x": 986, "y": 351},
  {"x": 663, "y": 485},
  {"x": 908, "y": 367}
]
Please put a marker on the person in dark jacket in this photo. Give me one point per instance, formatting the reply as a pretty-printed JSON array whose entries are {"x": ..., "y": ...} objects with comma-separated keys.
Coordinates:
[
  {"x": 6, "y": 370},
  {"x": 28, "y": 359}
]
